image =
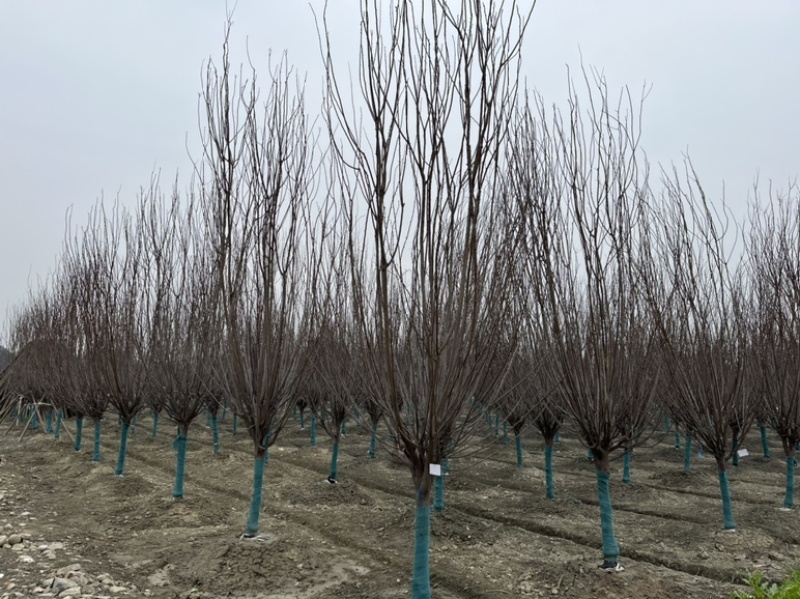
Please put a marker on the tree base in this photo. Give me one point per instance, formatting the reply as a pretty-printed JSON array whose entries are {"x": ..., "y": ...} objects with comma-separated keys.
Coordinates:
[
  {"x": 258, "y": 538},
  {"x": 610, "y": 566},
  {"x": 330, "y": 480}
]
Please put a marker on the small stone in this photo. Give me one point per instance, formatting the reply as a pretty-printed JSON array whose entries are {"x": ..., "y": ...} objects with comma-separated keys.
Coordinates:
[
  {"x": 56, "y": 546},
  {"x": 3, "y": 540},
  {"x": 116, "y": 590},
  {"x": 14, "y": 539},
  {"x": 62, "y": 584},
  {"x": 43, "y": 547},
  {"x": 17, "y": 547},
  {"x": 71, "y": 592},
  {"x": 25, "y": 559},
  {"x": 67, "y": 570}
]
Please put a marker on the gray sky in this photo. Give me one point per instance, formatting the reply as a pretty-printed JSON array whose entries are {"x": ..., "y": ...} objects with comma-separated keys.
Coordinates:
[{"x": 96, "y": 95}]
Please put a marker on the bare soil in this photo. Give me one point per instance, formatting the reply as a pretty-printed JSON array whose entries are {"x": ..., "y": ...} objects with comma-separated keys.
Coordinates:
[{"x": 497, "y": 537}]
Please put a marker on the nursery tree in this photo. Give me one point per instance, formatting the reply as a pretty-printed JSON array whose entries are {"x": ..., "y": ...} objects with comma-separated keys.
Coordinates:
[
  {"x": 582, "y": 199},
  {"x": 699, "y": 303},
  {"x": 774, "y": 253},
  {"x": 419, "y": 175},
  {"x": 258, "y": 176}
]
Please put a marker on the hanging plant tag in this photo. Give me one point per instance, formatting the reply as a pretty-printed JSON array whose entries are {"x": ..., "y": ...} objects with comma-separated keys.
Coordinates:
[
  {"x": 436, "y": 469},
  {"x": 743, "y": 453}
]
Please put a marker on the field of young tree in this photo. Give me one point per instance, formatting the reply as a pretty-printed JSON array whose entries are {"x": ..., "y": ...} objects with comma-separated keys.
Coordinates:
[
  {"x": 504, "y": 335},
  {"x": 497, "y": 535}
]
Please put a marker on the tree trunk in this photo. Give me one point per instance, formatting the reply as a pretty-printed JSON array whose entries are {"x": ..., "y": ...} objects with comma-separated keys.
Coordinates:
[
  {"x": 788, "y": 500},
  {"x": 610, "y": 545},
  {"x": 727, "y": 509},
  {"x": 96, "y": 453},
  {"x": 78, "y": 433},
  {"x": 548, "y": 469},
  {"x": 764, "y": 441},
  {"x": 372, "y": 440},
  {"x": 180, "y": 445},
  {"x": 518, "y": 443},
  {"x": 215, "y": 432},
  {"x": 687, "y": 453},
  {"x": 123, "y": 449},
  {"x": 626, "y": 467},
  {"x": 251, "y": 529},
  {"x": 421, "y": 579},
  {"x": 334, "y": 462}
]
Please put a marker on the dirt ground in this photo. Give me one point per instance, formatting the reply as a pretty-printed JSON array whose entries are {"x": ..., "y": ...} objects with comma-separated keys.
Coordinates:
[{"x": 497, "y": 537}]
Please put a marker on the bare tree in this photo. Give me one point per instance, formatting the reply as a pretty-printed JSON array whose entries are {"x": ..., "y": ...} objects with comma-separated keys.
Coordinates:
[
  {"x": 418, "y": 177},
  {"x": 258, "y": 174},
  {"x": 774, "y": 258},
  {"x": 700, "y": 305},
  {"x": 583, "y": 255},
  {"x": 184, "y": 336}
]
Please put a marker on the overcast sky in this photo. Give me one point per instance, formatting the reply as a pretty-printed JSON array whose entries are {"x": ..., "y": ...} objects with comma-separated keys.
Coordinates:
[{"x": 96, "y": 95}]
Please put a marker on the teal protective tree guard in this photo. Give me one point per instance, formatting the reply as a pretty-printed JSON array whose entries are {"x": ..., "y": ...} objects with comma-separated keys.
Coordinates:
[
  {"x": 590, "y": 455},
  {"x": 421, "y": 577},
  {"x": 788, "y": 499},
  {"x": 334, "y": 462},
  {"x": 215, "y": 432},
  {"x": 96, "y": 452},
  {"x": 700, "y": 453},
  {"x": 626, "y": 468},
  {"x": 734, "y": 443},
  {"x": 687, "y": 454},
  {"x": 344, "y": 426},
  {"x": 667, "y": 424},
  {"x": 251, "y": 529},
  {"x": 235, "y": 423},
  {"x": 133, "y": 425},
  {"x": 313, "y": 430},
  {"x": 78, "y": 433},
  {"x": 764, "y": 441},
  {"x": 558, "y": 437},
  {"x": 438, "y": 498},
  {"x": 550, "y": 487},
  {"x": 505, "y": 432},
  {"x": 303, "y": 420},
  {"x": 59, "y": 417},
  {"x": 372, "y": 441},
  {"x": 727, "y": 508},
  {"x": 294, "y": 412},
  {"x": 518, "y": 443},
  {"x": 155, "y": 424},
  {"x": 49, "y": 422},
  {"x": 497, "y": 424},
  {"x": 34, "y": 419},
  {"x": 180, "y": 446},
  {"x": 224, "y": 411},
  {"x": 610, "y": 545},
  {"x": 123, "y": 449},
  {"x": 677, "y": 438}
]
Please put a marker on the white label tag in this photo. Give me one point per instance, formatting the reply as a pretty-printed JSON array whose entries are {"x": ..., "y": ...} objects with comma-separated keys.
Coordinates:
[
  {"x": 436, "y": 469},
  {"x": 743, "y": 453}
]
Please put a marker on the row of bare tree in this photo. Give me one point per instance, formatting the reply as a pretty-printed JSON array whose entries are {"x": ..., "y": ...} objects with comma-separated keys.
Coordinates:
[{"x": 444, "y": 244}]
